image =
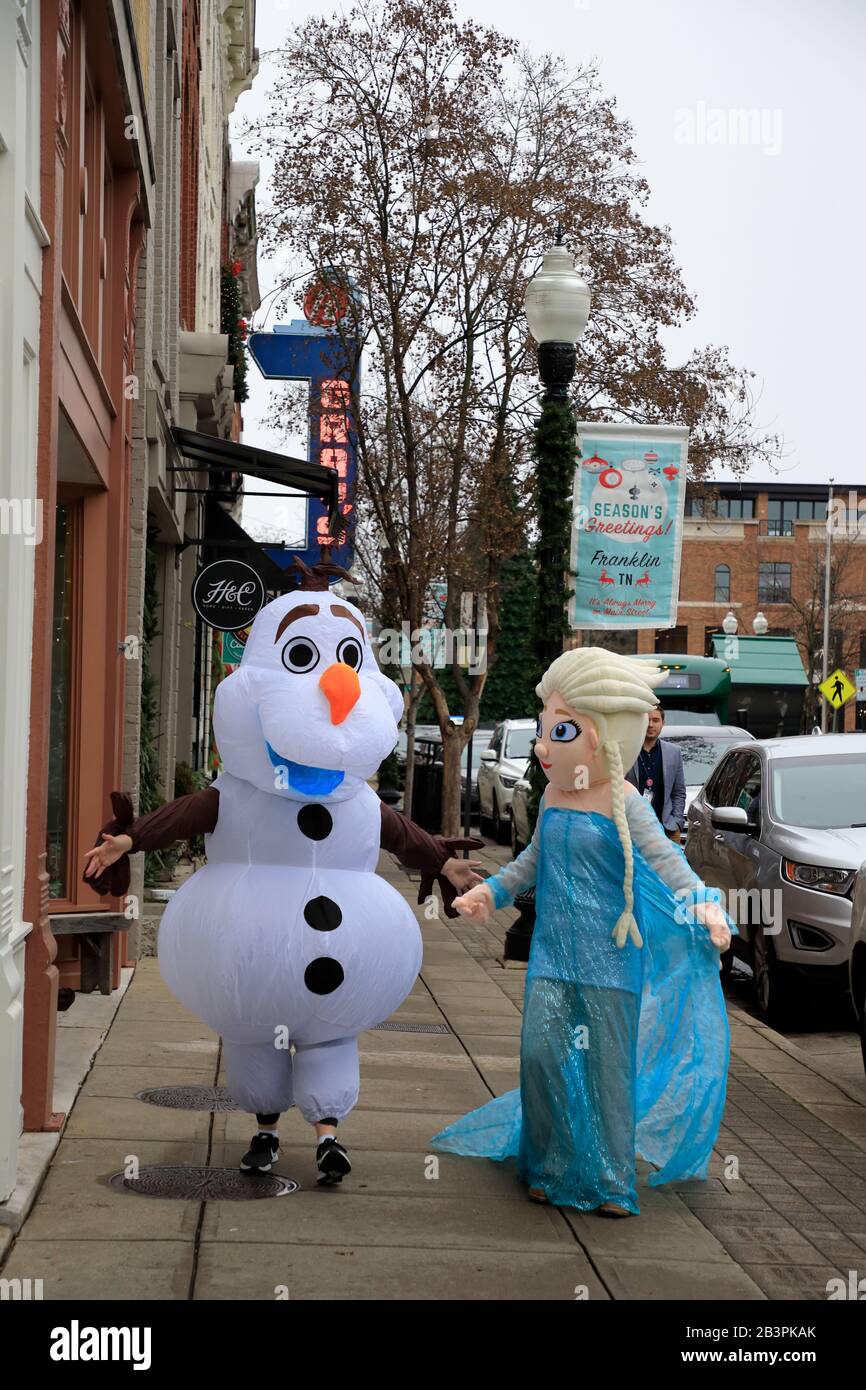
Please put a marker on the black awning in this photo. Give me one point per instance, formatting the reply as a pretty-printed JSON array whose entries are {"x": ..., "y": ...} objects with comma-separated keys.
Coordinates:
[
  {"x": 225, "y": 538},
  {"x": 207, "y": 451}
]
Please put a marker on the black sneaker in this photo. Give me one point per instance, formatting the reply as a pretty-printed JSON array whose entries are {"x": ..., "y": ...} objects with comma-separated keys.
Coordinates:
[
  {"x": 262, "y": 1154},
  {"x": 332, "y": 1161}
]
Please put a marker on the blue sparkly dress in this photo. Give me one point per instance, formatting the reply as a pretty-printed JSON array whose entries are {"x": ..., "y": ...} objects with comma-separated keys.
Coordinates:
[{"x": 623, "y": 1051}]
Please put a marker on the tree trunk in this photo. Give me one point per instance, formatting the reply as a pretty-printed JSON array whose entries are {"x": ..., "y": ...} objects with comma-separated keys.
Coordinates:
[{"x": 452, "y": 747}]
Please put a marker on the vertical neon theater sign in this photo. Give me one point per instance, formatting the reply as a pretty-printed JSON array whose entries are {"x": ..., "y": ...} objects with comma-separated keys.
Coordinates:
[{"x": 309, "y": 350}]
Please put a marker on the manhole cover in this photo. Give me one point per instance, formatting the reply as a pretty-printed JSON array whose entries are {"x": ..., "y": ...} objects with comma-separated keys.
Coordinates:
[
  {"x": 197, "y": 1184},
  {"x": 189, "y": 1098},
  {"x": 411, "y": 1028}
]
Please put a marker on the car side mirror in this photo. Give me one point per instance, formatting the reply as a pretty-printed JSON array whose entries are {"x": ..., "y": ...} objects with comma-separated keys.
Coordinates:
[
  {"x": 488, "y": 756},
  {"x": 733, "y": 818}
]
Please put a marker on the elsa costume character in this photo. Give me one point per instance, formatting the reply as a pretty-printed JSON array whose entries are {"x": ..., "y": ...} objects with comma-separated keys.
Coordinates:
[{"x": 624, "y": 1044}]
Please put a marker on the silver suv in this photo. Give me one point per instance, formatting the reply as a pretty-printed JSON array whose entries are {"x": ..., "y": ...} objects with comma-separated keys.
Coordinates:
[
  {"x": 501, "y": 766},
  {"x": 780, "y": 827}
]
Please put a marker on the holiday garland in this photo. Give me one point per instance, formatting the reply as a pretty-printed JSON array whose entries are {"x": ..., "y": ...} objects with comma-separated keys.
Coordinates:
[
  {"x": 555, "y": 452},
  {"x": 149, "y": 790},
  {"x": 235, "y": 325}
]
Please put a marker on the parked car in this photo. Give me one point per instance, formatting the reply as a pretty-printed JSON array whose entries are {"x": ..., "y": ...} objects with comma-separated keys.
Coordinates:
[
  {"x": 702, "y": 747},
  {"x": 705, "y": 718},
  {"x": 430, "y": 734},
  {"x": 520, "y": 831},
  {"x": 857, "y": 958},
  {"x": 501, "y": 767},
  {"x": 781, "y": 824}
]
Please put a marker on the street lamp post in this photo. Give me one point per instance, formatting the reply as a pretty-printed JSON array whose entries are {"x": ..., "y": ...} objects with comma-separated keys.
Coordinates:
[
  {"x": 557, "y": 309},
  {"x": 828, "y": 561}
]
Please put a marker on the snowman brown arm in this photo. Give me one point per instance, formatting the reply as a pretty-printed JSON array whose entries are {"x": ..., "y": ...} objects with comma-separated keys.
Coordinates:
[
  {"x": 180, "y": 819},
  {"x": 416, "y": 849}
]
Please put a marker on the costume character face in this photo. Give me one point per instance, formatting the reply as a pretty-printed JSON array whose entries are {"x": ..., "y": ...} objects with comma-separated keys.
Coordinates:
[
  {"x": 568, "y": 746},
  {"x": 307, "y": 713}
]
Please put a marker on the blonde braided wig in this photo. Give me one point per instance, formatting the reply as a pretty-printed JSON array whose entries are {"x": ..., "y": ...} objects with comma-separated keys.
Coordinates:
[{"x": 617, "y": 692}]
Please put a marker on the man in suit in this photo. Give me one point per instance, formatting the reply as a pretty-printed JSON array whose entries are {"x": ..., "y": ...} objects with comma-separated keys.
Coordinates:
[{"x": 658, "y": 775}]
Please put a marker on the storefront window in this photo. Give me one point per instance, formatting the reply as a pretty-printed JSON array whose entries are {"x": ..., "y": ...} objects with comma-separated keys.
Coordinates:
[{"x": 61, "y": 667}]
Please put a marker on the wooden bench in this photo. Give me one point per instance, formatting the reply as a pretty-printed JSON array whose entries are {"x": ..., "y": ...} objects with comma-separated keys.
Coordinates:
[{"x": 94, "y": 931}]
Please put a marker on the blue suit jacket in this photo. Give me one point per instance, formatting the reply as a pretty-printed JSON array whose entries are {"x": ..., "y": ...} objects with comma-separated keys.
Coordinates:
[{"x": 673, "y": 776}]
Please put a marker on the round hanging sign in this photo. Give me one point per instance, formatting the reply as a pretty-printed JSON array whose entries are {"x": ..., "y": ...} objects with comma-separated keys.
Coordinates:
[
  {"x": 227, "y": 595},
  {"x": 325, "y": 304}
]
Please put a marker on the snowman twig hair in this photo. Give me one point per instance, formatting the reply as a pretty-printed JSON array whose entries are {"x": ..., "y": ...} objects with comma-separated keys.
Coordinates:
[
  {"x": 315, "y": 578},
  {"x": 617, "y": 692}
]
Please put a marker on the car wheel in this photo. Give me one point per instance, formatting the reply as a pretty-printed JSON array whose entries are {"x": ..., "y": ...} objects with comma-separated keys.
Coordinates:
[
  {"x": 516, "y": 846},
  {"x": 500, "y": 825},
  {"x": 775, "y": 995}
]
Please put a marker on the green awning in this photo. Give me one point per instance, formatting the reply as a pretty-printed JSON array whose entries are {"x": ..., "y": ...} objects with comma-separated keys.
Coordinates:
[{"x": 763, "y": 661}]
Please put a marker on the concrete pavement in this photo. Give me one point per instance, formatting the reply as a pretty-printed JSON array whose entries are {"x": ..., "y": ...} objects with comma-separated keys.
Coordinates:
[{"x": 784, "y": 1210}]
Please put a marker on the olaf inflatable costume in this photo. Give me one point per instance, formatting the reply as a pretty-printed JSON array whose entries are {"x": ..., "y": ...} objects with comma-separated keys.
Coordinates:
[{"x": 287, "y": 935}]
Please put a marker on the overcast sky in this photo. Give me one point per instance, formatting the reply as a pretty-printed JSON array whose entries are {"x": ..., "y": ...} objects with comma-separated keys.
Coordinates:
[{"x": 768, "y": 232}]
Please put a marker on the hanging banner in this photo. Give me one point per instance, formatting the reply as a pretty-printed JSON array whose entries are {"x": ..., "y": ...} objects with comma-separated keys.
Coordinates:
[{"x": 627, "y": 530}]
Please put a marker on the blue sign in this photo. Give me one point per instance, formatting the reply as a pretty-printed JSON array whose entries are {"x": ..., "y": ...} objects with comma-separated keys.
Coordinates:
[
  {"x": 629, "y": 498},
  {"x": 300, "y": 351}
]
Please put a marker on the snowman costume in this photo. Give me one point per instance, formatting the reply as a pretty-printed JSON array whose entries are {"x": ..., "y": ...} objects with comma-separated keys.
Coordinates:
[{"x": 286, "y": 942}]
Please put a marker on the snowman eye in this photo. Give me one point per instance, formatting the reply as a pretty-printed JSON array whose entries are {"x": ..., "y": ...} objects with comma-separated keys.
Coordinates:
[
  {"x": 300, "y": 654},
  {"x": 350, "y": 653}
]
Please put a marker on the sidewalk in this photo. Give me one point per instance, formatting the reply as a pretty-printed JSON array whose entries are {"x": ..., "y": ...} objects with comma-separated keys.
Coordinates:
[{"x": 793, "y": 1218}]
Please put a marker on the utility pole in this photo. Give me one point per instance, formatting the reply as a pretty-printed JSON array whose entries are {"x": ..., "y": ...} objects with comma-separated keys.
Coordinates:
[{"x": 825, "y": 666}]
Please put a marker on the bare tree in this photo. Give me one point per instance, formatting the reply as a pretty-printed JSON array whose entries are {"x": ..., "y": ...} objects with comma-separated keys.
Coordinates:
[{"x": 429, "y": 160}]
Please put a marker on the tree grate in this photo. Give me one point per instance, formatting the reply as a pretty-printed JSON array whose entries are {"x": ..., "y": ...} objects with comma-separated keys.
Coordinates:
[
  {"x": 194, "y": 1183},
  {"x": 410, "y": 1028},
  {"x": 189, "y": 1098}
]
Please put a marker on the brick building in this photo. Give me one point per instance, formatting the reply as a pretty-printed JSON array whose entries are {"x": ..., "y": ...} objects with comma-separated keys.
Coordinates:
[
  {"x": 106, "y": 90},
  {"x": 753, "y": 548}
]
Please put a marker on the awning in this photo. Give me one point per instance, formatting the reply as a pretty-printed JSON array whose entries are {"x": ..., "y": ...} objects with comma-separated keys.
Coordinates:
[
  {"x": 763, "y": 661},
  {"x": 224, "y": 455},
  {"x": 225, "y": 538}
]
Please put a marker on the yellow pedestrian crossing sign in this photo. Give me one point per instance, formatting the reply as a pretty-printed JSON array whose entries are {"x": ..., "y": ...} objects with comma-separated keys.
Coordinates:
[{"x": 837, "y": 689}]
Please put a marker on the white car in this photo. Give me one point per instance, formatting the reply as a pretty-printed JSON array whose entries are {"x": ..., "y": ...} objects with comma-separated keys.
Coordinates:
[
  {"x": 702, "y": 746},
  {"x": 520, "y": 831},
  {"x": 501, "y": 766},
  {"x": 857, "y": 957}
]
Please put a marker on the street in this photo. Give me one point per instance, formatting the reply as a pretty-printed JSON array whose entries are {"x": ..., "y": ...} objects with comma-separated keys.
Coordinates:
[{"x": 783, "y": 1212}]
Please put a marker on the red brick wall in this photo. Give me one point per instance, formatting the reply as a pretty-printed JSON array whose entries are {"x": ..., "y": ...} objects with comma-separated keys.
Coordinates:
[
  {"x": 190, "y": 127},
  {"x": 743, "y": 556}
]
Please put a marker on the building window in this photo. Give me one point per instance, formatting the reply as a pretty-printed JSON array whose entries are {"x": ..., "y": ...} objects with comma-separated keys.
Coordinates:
[
  {"x": 774, "y": 582},
  {"x": 722, "y": 592},
  {"x": 672, "y": 639},
  {"x": 62, "y": 661},
  {"x": 783, "y": 512},
  {"x": 734, "y": 508}
]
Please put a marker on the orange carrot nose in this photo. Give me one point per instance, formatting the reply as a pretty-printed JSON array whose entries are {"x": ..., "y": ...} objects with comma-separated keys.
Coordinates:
[{"x": 341, "y": 688}]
